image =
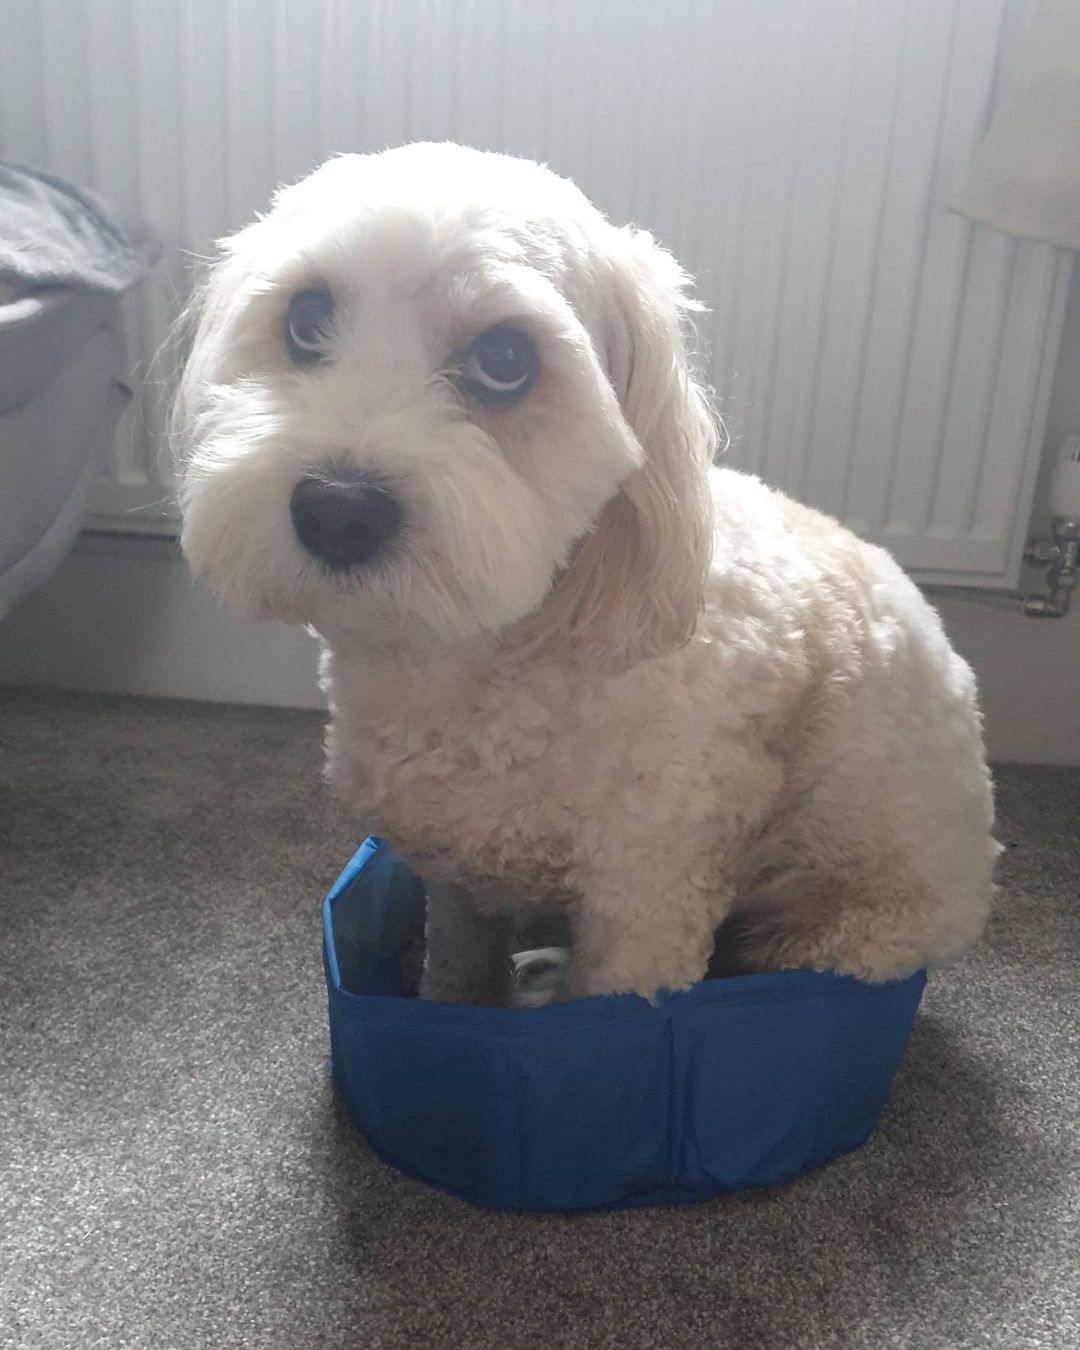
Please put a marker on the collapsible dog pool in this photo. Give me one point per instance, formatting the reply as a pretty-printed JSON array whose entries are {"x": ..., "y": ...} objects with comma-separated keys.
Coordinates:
[{"x": 600, "y": 1102}]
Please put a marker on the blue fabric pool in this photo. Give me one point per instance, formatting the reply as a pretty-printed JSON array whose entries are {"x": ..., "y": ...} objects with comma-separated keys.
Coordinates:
[{"x": 600, "y": 1102}]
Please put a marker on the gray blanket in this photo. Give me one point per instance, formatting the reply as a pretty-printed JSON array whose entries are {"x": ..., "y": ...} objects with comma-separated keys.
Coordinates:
[{"x": 55, "y": 234}]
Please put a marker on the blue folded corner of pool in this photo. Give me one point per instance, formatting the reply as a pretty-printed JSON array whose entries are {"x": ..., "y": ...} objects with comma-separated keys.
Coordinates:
[{"x": 600, "y": 1102}]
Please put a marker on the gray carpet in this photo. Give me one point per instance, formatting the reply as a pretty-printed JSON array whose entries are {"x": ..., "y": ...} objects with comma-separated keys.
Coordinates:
[{"x": 175, "y": 1170}]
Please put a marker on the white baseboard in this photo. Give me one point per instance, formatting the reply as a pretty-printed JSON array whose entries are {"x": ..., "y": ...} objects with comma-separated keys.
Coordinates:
[
  {"x": 123, "y": 615},
  {"x": 1029, "y": 678}
]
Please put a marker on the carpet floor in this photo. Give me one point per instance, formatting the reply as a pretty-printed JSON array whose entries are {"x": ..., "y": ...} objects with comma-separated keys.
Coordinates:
[{"x": 176, "y": 1170}]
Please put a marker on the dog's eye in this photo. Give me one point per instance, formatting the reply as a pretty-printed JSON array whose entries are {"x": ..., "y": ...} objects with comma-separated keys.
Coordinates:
[
  {"x": 307, "y": 325},
  {"x": 501, "y": 364}
]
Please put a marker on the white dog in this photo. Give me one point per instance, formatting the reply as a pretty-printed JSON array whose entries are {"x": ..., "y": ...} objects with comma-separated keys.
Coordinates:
[{"x": 438, "y": 408}]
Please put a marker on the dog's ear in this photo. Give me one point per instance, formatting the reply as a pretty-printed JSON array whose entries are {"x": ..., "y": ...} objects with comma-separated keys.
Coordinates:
[
  {"x": 203, "y": 344},
  {"x": 635, "y": 585}
]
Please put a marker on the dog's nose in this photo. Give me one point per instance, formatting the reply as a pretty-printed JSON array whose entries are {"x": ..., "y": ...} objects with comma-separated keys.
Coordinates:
[{"x": 343, "y": 521}]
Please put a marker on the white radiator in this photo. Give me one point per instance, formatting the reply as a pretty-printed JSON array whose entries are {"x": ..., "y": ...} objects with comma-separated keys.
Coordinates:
[{"x": 874, "y": 355}]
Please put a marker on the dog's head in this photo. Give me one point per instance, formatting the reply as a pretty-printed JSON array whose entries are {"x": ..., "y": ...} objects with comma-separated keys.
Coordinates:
[{"x": 434, "y": 394}]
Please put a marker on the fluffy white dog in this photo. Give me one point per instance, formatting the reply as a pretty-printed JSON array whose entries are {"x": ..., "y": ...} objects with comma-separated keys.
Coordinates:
[{"x": 438, "y": 408}]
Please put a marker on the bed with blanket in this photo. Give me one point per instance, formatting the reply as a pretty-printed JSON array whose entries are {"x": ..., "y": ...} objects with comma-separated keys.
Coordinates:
[{"x": 65, "y": 264}]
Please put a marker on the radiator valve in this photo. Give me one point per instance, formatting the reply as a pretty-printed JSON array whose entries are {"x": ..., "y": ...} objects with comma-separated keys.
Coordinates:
[{"x": 1060, "y": 555}]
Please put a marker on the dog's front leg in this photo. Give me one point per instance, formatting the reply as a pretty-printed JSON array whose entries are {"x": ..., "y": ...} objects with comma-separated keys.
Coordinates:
[
  {"x": 641, "y": 932},
  {"x": 467, "y": 957}
]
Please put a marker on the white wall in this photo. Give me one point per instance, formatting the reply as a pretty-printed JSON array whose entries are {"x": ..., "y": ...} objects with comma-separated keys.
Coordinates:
[
  {"x": 125, "y": 616},
  {"x": 1028, "y": 673}
]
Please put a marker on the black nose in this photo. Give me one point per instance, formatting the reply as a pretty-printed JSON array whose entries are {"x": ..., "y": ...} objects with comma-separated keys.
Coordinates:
[{"x": 344, "y": 521}]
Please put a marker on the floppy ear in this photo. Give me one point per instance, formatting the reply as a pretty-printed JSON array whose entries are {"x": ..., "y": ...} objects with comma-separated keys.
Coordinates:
[
  {"x": 635, "y": 585},
  {"x": 204, "y": 344}
]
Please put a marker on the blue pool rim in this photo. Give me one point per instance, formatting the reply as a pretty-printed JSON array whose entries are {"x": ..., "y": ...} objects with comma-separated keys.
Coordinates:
[{"x": 601, "y": 1103}]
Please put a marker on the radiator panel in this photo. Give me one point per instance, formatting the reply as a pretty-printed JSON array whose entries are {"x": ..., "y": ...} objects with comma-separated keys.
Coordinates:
[{"x": 873, "y": 354}]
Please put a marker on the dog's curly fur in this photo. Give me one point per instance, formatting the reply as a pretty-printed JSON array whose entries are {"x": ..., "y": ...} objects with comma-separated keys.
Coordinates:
[{"x": 593, "y": 671}]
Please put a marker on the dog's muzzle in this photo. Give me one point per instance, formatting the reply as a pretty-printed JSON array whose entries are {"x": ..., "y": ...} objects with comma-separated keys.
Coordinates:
[{"x": 344, "y": 522}]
